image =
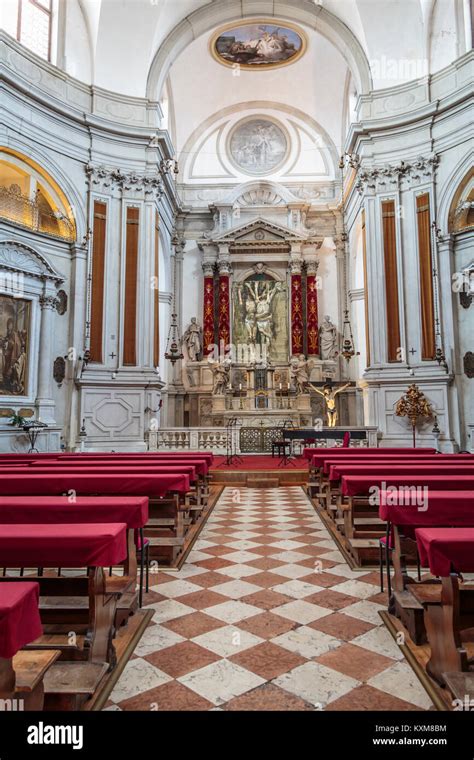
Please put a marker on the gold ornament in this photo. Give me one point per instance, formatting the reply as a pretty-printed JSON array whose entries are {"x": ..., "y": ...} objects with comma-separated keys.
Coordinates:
[{"x": 415, "y": 406}]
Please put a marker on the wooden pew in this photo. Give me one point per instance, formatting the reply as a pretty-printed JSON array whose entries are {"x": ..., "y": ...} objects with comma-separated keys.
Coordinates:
[
  {"x": 133, "y": 511},
  {"x": 443, "y": 509},
  {"x": 79, "y": 603},
  {"x": 335, "y": 471},
  {"x": 318, "y": 467},
  {"x": 168, "y": 495},
  {"x": 448, "y": 607},
  {"x": 317, "y": 456},
  {"x": 358, "y": 491},
  {"x": 199, "y": 478},
  {"x": 21, "y": 672}
]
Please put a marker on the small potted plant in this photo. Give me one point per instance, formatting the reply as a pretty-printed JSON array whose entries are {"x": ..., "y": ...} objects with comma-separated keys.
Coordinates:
[{"x": 16, "y": 420}]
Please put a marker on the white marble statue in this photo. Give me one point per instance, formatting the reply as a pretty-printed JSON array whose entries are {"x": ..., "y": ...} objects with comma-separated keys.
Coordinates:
[
  {"x": 192, "y": 339},
  {"x": 300, "y": 371},
  {"x": 221, "y": 372},
  {"x": 328, "y": 339}
]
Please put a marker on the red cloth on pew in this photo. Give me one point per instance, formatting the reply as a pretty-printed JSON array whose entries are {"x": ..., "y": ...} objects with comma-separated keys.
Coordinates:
[
  {"x": 309, "y": 452},
  {"x": 55, "y": 484},
  {"x": 208, "y": 456},
  {"x": 318, "y": 459},
  {"x": 446, "y": 550},
  {"x": 133, "y": 511},
  {"x": 20, "y": 622},
  {"x": 445, "y": 508},
  {"x": 359, "y": 485},
  {"x": 441, "y": 459},
  {"x": 424, "y": 468},
  {"x": 95, "y": 469},
  {"x": 58, "y": 545},
  {"x": 201, "y": 466}
]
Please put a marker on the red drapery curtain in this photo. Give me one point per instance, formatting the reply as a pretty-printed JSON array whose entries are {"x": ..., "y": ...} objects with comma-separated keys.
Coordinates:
[
  {"x": 391, "y": 281},
  {"x": 296, "y": 315},
  {"x": 428, "y": 347},
  {"x": 208, "y": 315},
  {"x": 131, "y": 272},
  {"x": 312, "y": 315},
  {"x": 224, "y": 311},
  {"x": 98, "y": 268}
]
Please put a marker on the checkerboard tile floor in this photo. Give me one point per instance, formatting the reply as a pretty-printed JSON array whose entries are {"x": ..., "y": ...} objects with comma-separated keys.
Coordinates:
[{"x": 266, "y": 615}]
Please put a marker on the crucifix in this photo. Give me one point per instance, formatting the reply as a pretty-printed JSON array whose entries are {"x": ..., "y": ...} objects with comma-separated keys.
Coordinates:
[
  {"x": 329, "y": 394},
  {"x": 112, "y": 355}
]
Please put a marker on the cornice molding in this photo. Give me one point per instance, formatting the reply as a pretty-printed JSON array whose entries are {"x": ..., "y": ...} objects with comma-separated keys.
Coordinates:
[
  {"x": 102, "y": 178},
  {"x": 377, "y": 179}
]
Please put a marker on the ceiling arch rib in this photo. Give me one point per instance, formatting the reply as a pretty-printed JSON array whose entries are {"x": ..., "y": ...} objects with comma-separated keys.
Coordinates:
[{"x": 211, "y": 16}]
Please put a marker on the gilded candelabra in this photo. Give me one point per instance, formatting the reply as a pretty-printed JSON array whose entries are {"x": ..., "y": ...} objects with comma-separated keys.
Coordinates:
[{"x": 415, "y": 406}]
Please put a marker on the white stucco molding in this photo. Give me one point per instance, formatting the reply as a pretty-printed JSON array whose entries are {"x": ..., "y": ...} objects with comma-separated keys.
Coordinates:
[
  {"x": 213, "y": 15},
  {"x": 330, "y": 158},
  {"x": 18, "y": 257}
]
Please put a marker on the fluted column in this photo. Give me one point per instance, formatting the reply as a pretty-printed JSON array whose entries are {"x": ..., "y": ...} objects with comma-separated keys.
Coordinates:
[{"x": 44, "y": 399}]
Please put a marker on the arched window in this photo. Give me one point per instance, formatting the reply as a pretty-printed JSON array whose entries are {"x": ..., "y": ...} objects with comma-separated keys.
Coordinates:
[
  {"x": 30, "y": 22},
  {"x": 30, "y": 198}
]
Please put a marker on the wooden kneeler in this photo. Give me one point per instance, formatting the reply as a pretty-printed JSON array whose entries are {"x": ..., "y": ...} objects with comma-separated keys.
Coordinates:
[
  {"x": 448, "y": 610},
  {"x": 81, "y": 606},
  {"x": 22, "y": 679}
]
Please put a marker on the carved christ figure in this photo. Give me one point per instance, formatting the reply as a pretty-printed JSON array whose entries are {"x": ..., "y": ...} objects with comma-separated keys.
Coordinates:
[
  {"x": 329, "y": 396},
  {"x": 249, "y": 319},
  {"x": 263, "y": 309}
]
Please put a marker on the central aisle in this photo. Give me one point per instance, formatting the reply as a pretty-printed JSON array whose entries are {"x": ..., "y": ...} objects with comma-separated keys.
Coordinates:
[{"x": 266, "y": 615}]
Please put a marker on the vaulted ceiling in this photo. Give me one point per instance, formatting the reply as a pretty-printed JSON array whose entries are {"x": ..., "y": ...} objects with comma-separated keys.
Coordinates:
[
  {"x": 112, "y": 43},
  {"x": 160, "y": 49}
]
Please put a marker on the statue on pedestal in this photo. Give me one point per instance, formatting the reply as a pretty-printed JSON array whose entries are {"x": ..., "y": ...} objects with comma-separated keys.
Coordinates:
[
  {"x": 192, "y": 339},
  {"x": 328, "y": 339},
  {"x": 329, "y": 394},
  {"x": 221, "y": 372},
  {"x": 300, "y": 370}
]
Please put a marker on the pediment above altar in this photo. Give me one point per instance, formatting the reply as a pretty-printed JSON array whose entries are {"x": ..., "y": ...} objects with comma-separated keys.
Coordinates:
[{"x": 260, "y": 230}]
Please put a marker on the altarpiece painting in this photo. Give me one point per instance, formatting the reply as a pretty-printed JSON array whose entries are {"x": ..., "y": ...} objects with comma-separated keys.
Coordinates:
[{"x": 15, "y": 316}]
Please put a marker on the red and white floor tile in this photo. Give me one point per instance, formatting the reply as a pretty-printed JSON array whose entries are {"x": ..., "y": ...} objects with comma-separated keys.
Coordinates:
[{"x": 266, "y": 615}]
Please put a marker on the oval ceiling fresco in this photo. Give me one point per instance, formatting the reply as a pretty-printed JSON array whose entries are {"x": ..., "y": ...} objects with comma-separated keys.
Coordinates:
[{"x": 258, "y": 45}]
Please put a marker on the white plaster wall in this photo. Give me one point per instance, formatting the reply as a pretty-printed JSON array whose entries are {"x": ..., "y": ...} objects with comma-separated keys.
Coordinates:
[
  {"x": 78, "y": 47},
  {"x": 202, "y": 86},
  {"x": 192, "y": 284}
]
